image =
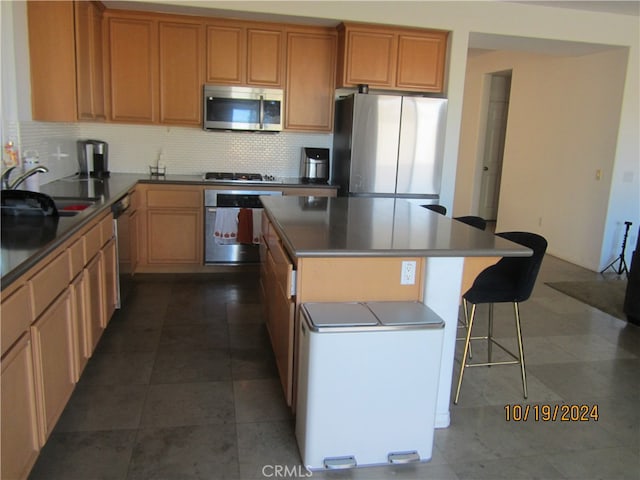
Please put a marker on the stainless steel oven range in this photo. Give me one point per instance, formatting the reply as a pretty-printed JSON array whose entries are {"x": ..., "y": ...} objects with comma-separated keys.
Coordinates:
[{"x": 215, "y": 201}]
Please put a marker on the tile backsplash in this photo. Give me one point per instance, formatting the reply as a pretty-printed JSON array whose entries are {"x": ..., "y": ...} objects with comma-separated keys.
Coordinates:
[{"x": 132, "y": 148}]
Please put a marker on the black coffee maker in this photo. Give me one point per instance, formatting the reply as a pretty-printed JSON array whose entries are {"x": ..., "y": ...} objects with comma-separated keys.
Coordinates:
[{"x": 93, "y": 158}]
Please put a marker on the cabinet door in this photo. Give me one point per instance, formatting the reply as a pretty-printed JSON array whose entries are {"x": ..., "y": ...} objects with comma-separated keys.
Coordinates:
[
  {"x": 226, "y": 47},
  {"x": 52, "y": 60},
  {"x": 84, "y": 40},
  {"x": 110, "y": 271},
  {"x": 97, "y": 64},
  {"x": 89, "y": 61},
  {"x": 421, "y": 61},
  {"x": 80, "y": 324},
  {"x": 264, "y": 57},
  {"x": 311, "y": 59},
  {"x": 133, "y": 69},
  {"x": 181, "y": 59},
  {"x": 370, "y": 58},
  {"x": 174, "y": 236},
  {"x": 94, "y": 301},
  {"x": 52, "y": 336},
  {"x": 20, "y": 444}
]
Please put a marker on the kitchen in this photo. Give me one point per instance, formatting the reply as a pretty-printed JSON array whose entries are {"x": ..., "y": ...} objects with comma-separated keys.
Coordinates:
[{"x": 152, "y": 151}]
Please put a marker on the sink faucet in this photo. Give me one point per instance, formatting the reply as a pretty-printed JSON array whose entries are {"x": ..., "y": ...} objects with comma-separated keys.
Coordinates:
[
  {"x": 4, "y": 178},
  {"x": 16, "y": 183}
]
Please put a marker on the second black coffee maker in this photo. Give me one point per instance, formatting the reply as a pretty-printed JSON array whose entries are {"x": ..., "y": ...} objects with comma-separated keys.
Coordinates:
[{"x": 93, "y": 158}]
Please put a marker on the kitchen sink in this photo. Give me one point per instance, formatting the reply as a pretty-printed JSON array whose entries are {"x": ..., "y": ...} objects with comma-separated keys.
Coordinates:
[{"x": 71, "y": 206}]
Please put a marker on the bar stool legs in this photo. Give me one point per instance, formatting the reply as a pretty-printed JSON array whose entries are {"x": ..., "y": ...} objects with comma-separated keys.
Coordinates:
[{"x": 518, "y": 359}]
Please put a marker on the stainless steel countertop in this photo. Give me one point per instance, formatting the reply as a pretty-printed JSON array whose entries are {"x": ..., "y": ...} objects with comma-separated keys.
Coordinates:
[
  {"x": 17, "y": 256},
  {"x": 377, "y": 227}
]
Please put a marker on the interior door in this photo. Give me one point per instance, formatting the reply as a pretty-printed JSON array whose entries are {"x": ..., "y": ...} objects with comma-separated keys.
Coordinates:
[{"x": 494, "y": 146}]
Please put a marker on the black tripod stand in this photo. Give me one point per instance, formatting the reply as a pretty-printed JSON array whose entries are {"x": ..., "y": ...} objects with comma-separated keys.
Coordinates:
[{"x": 622, "y": 267}]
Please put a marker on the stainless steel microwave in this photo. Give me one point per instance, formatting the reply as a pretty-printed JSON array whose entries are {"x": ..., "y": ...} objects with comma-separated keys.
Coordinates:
[{"x": 242, "y": 108}]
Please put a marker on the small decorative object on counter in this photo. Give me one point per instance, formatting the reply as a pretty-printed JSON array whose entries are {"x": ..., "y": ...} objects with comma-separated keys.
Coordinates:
[{"x": 10, "y": 156}]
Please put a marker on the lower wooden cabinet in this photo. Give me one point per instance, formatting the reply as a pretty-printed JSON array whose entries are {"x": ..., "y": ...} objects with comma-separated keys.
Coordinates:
[
  {"x": 82, "y": 351},
  {"x": 53, "y": 348},
  {"x": 174, "y": 236},
  {"x": 20, "y": 443},
  {"x": 94, "y": 302},
  {"x": 276, "y": 277}
]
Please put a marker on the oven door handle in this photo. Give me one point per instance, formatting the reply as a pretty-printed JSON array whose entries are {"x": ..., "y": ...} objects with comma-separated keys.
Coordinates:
[{"x": 212, "y": 209}]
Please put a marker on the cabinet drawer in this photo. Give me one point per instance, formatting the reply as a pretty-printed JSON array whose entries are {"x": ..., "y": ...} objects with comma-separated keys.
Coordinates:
[
  {"x": 16, "y": 317},
  {"x": 47, "y": 284},
  {"x": 282, "y": 271},
  {"x": 106, "y": 229},
  {"x": 174, "y": 198},
  {"x": 76, "y": 257},
  {"x": 92, "y": 241}
]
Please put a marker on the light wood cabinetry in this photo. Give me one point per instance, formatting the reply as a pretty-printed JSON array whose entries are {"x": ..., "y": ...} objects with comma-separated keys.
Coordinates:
[
  {"x": 244, "y": 53},
  {"x": 171, "y": 225},
  {"x": 52, "y": 60},
  {"x": 181, "y": 47},
  {"x": 52, "y": 318},
  {"x": 133, "y": 68},
  {"x": 156, "y": 68},
  {"x": 276, "y": 280},
  {"x": 20, "y": 443},
  {"x": 311, "y": 60},
  {"x": 89, "y": 60},
  {"x": 66, "y": 60},
  {"x": 53, "y": 354},
  {"x": 391, "y": 58}
]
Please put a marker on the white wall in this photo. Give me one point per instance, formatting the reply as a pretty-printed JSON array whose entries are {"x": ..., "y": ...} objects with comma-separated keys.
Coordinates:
[{"x": 562, "y": 128}]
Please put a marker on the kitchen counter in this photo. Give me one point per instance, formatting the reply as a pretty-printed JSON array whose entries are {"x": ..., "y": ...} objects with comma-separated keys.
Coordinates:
[
  {"x": 377, "y": 227},
  {"x": 22, "y": 247}
]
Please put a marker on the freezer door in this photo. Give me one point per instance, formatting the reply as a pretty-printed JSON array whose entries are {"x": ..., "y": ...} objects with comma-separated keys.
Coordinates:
[
  {"x": 421, "y": 145},
  {"x": 374, "y": 151}
]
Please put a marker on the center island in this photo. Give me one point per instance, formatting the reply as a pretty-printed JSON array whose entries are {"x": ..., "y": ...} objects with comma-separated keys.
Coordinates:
[{"x": 364, "y": 249}]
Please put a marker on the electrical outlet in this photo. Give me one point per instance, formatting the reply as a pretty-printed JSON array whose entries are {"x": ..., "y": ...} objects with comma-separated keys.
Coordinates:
[{"x": 408, "y": 274}]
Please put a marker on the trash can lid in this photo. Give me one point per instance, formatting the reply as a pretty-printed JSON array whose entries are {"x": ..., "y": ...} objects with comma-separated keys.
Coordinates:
[
  {"x": 404, "y": 313},
  {"x": 339, "y": 314}
]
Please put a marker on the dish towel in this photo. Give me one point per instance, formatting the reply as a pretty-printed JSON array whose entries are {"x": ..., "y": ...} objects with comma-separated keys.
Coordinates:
[
  {"x": 225, "y": 228},
  {"x": 257, "y": 225},
  {"x": 245, "y": 226}
]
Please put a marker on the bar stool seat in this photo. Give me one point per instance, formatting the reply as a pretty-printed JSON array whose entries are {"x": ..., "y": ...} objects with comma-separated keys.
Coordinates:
[{"x": 511, "y": 280}]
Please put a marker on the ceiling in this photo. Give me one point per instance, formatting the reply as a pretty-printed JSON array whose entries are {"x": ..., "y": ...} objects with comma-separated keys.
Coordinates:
[{"x": 628, "y": 7}]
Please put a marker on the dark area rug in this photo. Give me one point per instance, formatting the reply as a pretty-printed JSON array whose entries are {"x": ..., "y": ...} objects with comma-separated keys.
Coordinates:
[{"x": 607, "y": 296}]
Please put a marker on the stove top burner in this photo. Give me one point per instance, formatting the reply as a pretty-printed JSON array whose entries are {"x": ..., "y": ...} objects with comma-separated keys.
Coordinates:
[{"x": 228, "y": 176}]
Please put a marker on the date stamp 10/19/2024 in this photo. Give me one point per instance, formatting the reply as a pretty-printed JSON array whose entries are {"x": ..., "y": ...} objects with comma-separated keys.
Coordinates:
[{"x": 551, "y": 413}]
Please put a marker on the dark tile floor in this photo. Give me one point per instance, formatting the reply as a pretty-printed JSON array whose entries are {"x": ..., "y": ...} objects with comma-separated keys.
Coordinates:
[{"x": 183, "y": 385}]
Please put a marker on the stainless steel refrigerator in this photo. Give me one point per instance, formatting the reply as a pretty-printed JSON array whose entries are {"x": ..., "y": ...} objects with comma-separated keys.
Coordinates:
[{"x": 389, "y": 146}]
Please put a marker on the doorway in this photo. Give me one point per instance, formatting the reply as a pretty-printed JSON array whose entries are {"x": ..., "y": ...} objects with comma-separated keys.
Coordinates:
[{"x": 495, "y": 133}]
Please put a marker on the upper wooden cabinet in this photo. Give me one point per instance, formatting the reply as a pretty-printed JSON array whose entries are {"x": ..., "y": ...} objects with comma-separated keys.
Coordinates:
[
  {"x": 89, "y": 60},
  {"x": 66, "y": 60},
  {"x": 155, "y": 68},
  {"x": 391, "y": 58},
  {"x": 181, "y": 52},
  {"x": 244, "y": 53},
  {"x": 311, "y": 60},
  {"x": 53, "y": 63},
  {"x": 133, "y": 60}
]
